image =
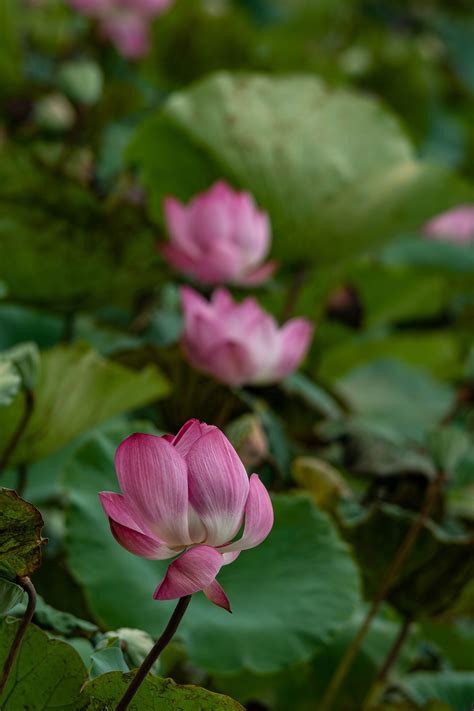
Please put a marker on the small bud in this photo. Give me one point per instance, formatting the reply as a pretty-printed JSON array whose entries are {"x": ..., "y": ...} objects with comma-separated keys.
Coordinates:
[
  {"x": 320, "y": 479},
  {"x": 248, "y": 437},
  {"x": 54, "y": 113}
]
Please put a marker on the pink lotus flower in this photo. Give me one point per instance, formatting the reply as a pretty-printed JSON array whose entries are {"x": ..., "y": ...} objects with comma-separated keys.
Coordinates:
[
  {"x": 240, "y": 343},
  {"x": 456, "y": 225},
  {"x": 220, "y": 237},
  {"x": 124, "y": 22},
  {"x": 128, "y": 33},
  {"x": 187, "y": 495}
]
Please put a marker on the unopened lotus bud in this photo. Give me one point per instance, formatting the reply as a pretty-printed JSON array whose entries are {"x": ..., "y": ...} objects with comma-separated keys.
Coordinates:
[
  {"x": 249, "y": 438},
  {"x": 54, "y": 113},
  {"x": 320, "y": 479}
]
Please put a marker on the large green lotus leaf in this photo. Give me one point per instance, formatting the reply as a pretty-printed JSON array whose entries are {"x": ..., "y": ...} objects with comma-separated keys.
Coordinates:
[
  {"x": 435, "y": 578},
  {"x": 453, "y": 688},
  {"x": 66, "y": 249},
  {"x": 333, "y": 168},
  {"x": 392, "y": 393},
  {"x": 301, "y": 686},
  {"x": 154, "y": 695},
  {"x": 393, "y": 294},
  {"x": 439, "y": 352},
  {"x": 20, "y": 534},
  {"x": 77, "y": 390},
  {"x": 284, "y": 589},
  {"x": 430, "y": 253},
  {"x": 454, "y": 640},
  {"x": 47, "y": 674}
]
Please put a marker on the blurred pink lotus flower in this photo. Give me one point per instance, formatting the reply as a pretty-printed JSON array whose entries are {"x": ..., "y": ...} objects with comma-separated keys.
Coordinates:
[
  {"x": 219, "y": 237},
  {"x": 128, "y": 33},
  {"x": 187, "y": 494},
  {"x": 124, "y": 22},
  {"x": 240, "y": 343},
  {"x": 456, "y": 225}
]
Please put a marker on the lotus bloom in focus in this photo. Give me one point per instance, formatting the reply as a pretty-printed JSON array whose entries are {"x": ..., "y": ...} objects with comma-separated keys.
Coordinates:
[
  {"x": 220, "y": 237},
  {"x": 456, "y": 225},
  {"x": 187, "y": 495},
  {"x": 240, "y": 343},
  {"x": 124, "y": 22}
]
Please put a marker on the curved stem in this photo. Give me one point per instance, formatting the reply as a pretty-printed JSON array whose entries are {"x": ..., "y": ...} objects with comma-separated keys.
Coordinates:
[
  {"x": 394, "y": 569},
  {"x": 28, "y": 408},
  {"x": 391, "y": 658},
  {"x": 153, "y": 655},
  {"x": 28, "y": 586}
]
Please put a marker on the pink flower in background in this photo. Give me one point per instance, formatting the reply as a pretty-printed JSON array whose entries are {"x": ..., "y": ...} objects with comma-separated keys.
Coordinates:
[
  {"x": 456, "y": 225},
  {"x": 219, "y": 237},
  {"x": 124, "y": 22},
  {"x": 127, "y": 32},
  {"x": 187, "y": 495},
  {"x": 241, "y": 343}
]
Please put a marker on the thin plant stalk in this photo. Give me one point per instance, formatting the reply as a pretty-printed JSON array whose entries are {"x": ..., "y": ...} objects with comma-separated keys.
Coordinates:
[
  {"x": 29, "y": 404},
  {"x": 153, "y": 655},
  {"x": 391, "y": 575},
  {"x": 28, "y": 587},
  {"x": 392, "y": 656}
]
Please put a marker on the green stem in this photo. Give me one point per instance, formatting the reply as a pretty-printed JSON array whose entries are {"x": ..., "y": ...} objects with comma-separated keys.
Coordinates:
[
  {"x": 153, "y": 655},
  {"x": 28, "y": 586},
  {"x": 392, "y": 573},
  {"x": 392, "y": 656}
]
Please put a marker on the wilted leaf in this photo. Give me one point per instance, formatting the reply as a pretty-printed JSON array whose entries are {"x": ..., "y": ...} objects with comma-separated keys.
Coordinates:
[
  {"x": 155, "y": 695},
  {"x": 436, "y": 576},
  {"x": 20, "y": 534}
]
